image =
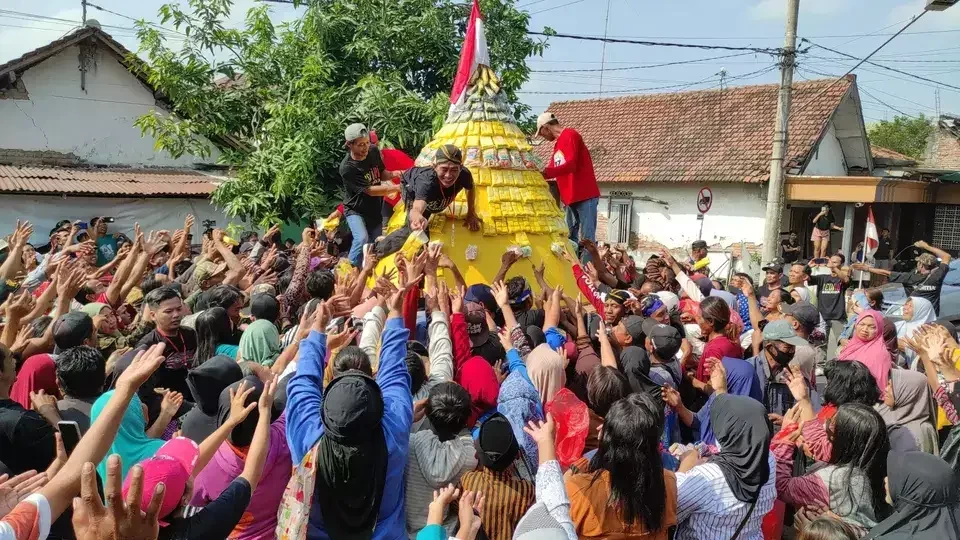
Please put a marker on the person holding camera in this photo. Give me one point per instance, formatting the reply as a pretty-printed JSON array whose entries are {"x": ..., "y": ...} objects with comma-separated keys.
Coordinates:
[{"x": 823, "y": 224}]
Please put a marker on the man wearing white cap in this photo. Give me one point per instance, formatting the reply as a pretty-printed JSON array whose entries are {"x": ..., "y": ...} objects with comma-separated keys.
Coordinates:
[
  {"x": 572, "y": 167},
  {"x": 365, "y": 183}
]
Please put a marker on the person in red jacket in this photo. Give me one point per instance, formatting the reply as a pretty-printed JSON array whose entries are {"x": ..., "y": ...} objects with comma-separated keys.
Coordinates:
[{"x": 572, "y": 167}]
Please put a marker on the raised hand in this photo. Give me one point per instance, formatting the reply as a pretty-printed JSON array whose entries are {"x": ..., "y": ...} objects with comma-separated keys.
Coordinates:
[
  {"x": 143, "y": 365},
  {"x": 718, "y": 378},
  {"x": 542, "y": 432},
  {"x": 671, "y": 397},
  {"x": 341, "y": 339},
  {"x": 796, "y": 383},
  {"x": 13, "y": 490},
  {"x": 120, "y": 519},
  {"x": 41, "y": 399},
  {"x": 239, "y": 410},
  {"x": 456, "y": 299},
  {"x": 471, "y": 508},
  {"x": 500, "y": 293}
]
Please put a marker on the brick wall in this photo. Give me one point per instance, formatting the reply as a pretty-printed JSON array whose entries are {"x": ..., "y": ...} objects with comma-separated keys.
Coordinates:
[{"x": 943, "y": 151}]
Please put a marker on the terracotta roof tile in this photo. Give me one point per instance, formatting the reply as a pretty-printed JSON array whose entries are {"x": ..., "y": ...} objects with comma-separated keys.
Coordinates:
[
  {"x": 888, "y": 155},
  {"x": 702, "y": 136},
  {"x": 108, "y": 182}
]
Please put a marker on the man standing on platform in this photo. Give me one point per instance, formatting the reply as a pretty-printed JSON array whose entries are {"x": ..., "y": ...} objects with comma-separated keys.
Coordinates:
[
  {"x": 363, "y": 171},
  {"x": 572, "y": 167}
]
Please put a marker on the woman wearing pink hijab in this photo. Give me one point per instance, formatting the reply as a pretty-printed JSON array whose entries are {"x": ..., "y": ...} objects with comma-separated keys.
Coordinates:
[{"x": 867, "y": 346}]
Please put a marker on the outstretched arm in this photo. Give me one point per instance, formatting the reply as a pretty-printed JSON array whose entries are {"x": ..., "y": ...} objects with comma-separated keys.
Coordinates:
[{"x": 937, "y": 252}]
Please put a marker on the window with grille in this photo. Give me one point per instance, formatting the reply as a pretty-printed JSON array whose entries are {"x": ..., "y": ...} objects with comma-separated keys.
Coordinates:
[
  {"x": 619, "y": 226},
  {"x": 946, "y": 227}
]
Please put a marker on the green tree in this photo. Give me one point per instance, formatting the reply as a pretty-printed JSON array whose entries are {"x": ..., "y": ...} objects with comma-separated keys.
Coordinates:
[
  {"x": 905, "y": 134},
  {"x": 283, "y": 94}
]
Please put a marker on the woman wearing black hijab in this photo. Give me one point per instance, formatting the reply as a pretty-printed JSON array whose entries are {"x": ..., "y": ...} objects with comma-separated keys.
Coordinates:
[
  {"x": 728, "y": 496},
  {"x": 925, "y": 497},
  {"x": 206, "y": 383},
  {"x": 352, "y": 456}
]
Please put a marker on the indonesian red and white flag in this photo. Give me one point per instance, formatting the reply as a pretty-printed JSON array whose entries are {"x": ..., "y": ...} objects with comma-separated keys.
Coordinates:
[
  {"x": 872, "y": 239},
  {"x": 473, "y": 54}
]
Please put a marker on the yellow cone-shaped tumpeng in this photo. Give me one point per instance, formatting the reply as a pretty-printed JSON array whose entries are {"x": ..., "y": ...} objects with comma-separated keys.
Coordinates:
[{"x": 512, "y": 197}]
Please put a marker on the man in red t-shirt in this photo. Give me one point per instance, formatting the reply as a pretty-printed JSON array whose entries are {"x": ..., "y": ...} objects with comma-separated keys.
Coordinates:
[{"x": 572, "y": 167}]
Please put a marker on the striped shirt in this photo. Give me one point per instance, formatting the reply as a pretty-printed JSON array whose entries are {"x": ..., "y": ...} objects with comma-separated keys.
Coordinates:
[
  {"x": 706, "y": 507},
  {"x": 506, "y": 498}
]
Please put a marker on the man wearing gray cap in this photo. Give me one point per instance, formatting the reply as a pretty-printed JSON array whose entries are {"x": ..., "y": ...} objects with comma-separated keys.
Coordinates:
[
  {"x": 430, "y": 190},
  {"x": 365, "y": 183},
  {"x": 779, "y": 346},
  {"x": 572, "y": 167}
]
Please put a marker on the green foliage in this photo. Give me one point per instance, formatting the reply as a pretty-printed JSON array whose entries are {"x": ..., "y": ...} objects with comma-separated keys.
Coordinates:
[
  {"x": 291, "y": 89},
  {"x": 904, "y": 134}
]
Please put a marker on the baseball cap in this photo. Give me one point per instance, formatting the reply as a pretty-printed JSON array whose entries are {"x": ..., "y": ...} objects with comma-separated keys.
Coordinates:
[
  {"x": 666, "y": 339},
  {"x": 545, "y": 119},
  {"x": 477, "y": 323},
  {"x": 634, "y": 326},
  {"x": 173, "y": 465},
  {"x": 208, "y": 269},
  {"x": 927, "y": 260},
  {"x": 773, "y": 267},
  {"x": 482, "y": 294},
  {"x": 782, "y": 331},
  {"x": 71, "y": 329},
  {"x": 699, "y": 244},
  {"x": 355, "y": 131},
  {"x": 804, "y": 313}
]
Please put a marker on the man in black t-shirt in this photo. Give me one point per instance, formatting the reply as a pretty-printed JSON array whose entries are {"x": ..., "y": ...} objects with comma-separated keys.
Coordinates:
[
  {"x": 884, "y": 251},
  {"x": 790, "y": 249},
  {"x": 832, "y": 300},
  {"x": 362, "y": 171},
  {"x": 181, "y": 342},
  {"x": 927, "y": 281},
  {"x": 429, "y": 190},
  {"x": 772, "y": 281}
]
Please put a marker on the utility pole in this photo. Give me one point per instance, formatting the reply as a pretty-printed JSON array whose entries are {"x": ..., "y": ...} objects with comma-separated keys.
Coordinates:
[
  {"x": 83, "y": 4},
  {"x": 771, "y": 227}
]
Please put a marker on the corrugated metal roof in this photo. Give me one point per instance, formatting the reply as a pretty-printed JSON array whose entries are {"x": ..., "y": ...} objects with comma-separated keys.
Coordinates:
[
  {"x": 106, "y": 182},
  {"x": 699, "y": 136}
]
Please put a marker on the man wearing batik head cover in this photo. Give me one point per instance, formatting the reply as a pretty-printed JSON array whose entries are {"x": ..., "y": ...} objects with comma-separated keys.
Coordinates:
[{"x": 430, "y": 190}]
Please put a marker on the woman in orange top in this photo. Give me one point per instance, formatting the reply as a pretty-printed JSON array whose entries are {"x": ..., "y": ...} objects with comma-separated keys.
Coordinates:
[{"x": 623, "y": 491}]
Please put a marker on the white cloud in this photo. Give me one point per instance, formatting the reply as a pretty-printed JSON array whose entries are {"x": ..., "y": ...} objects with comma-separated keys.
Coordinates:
[{"x": 777, "y": 9}]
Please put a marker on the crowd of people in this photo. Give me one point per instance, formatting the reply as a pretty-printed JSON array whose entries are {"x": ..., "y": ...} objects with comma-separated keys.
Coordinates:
[
  {"x": 153, "y": 387},
  {"x": 256, "y": 391}
]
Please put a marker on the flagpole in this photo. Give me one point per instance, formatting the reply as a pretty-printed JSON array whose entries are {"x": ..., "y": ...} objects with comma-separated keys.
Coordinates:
[{"x": 863, "y": 248}]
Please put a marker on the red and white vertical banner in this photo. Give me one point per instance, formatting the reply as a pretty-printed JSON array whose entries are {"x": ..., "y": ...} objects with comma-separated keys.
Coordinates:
[{"x": 473, "y": 54}]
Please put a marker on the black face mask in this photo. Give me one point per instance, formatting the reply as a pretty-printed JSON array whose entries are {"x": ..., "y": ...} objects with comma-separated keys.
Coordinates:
[{"x": 781, "y": 358}]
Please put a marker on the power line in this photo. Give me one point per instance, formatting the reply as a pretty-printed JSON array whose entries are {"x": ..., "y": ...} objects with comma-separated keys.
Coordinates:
[
  {"x": 23, "y": 16},
  {"x": 860, "y": 63},
  {"x": 94, "y": 6},
  {"x": 752, "y": 74},
  {"x": 556, "y": 7},
  {"x": 648, "y": 66},
  {"x": 528, "y": 4},
  {"x": 763, "y": 50},
  {"x": 888, "y": 68},
  {"x": 603, "y": 51},
  {"x": 885, "y": 104}
]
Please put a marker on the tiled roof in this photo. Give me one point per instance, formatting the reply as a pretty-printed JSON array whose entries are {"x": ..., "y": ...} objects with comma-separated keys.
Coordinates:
[
  {"x": 702, "y": 136},
  {"x": 40, "y": 54},
  {"x": 106, "y": 182},
  {"x": 890, "y": 156}
]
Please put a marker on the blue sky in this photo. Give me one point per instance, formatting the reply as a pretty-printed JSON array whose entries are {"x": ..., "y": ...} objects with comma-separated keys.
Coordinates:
[{"x": 931, "y": 48}]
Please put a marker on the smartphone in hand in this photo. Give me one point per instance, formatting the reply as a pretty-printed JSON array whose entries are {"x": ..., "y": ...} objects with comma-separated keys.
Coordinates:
[{"x": 70, "y": 433}]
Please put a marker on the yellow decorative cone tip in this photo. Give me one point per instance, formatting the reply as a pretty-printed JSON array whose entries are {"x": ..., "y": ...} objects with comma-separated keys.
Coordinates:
[{"x": 512, "y": 197}]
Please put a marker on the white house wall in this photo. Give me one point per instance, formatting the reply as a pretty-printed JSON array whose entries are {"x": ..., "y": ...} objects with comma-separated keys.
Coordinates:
[
  {"x": 828, "y": 158},
  {"x": 152, "y": 214},
  {"x": 737, "y": 213},
  {"x": 96, "y": 125}
]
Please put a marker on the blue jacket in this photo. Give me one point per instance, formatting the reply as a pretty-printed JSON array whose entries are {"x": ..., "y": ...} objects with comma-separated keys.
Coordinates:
[{"x": 304, "y": 428}]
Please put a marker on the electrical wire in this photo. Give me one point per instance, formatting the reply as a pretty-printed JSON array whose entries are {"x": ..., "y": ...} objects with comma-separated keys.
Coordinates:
[
  {"x": 753, "y": 74},
  {"x": 94, "y": 6},
  {"x": 763, "y": 50},
  {"x": 851, "y": 70},
  {"x": 556, "y": 7},
  {"x": 648, "y": 66},
  {"x": 888, "y": 68}
]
